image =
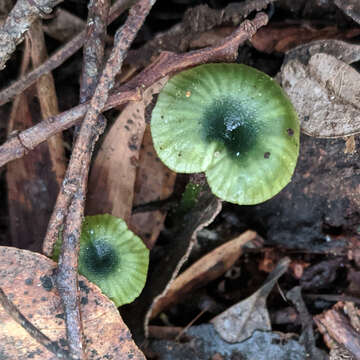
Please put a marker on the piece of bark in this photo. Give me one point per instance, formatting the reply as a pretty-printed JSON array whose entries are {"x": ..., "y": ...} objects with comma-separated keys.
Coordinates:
[
  {"x": 335, "y": 326},
  {"x": 27, "y": 279},
  {"x": 206, "y": 269},
  {"x": 154, "y": 181}
]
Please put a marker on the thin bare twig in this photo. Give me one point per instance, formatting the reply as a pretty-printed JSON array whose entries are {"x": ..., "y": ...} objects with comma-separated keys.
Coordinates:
[
  {"x": 69, "y": 207},
  {"x": 168, "y": 63},
  {"x": 33, "y": 331},
  {"x": 19, "y": 20},
  {"x": 58, "y": 58}
]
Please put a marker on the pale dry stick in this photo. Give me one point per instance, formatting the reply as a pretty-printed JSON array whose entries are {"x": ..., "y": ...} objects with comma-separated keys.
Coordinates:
[
  {"x": 33, "y": 331},
  {"x": 58, "y": 58},
  {"x": 19, "y": 20},
  {"x": 74, "y": 186},
  {"x": 168, "y": 63}
]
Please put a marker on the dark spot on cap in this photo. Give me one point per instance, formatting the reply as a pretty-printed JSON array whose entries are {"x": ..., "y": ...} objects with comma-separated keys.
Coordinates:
[
  {"x": 162, "y": 116},
  {"x": 129, "y": 121},
  {"x": 127, "y": 128},
  {"x": 46, "y": 282},
  {"x": 29, "y": 281},
  {"x": 306, "y": 118},
  {"x": 63, "y": 342},
  {"x": 60, "y": 316},
  {"x": 93, "y": 352},
  {"x": 290, "y": 132},
  {"x": 83, "y": 287},
  {"x": 26, "y": 292},
  {"x": 133, "y": 143},
  {"x": 43, "y": 298},
  {"x": 266, "y": 155},
  {"x": 30, "y": 316},
  {"x": 84, "y": 300}
]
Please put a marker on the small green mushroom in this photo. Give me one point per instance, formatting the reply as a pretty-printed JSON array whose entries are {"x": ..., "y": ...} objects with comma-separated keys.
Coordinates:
[
  {"x": 112, "y": 257},
  {"x": 232, "y": 122}
]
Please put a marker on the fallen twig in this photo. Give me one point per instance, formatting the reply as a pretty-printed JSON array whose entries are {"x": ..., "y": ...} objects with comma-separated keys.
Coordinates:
[
  {"x": 19, "y": 20},
  {"x": 34, "y": 332},
  {"x": 168, "y": 63},
  {"x": 58, "y": 58},
  {"x": 69, "y": 208}
]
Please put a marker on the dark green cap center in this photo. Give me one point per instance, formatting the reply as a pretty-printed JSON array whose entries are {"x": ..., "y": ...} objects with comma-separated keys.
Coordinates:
[
  {"x": 230, "y": 123},
  {"x": 100, "y": 258}
]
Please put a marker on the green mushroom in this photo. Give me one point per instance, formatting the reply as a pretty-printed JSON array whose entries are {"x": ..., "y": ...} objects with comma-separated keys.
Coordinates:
[
  {"x": 232, "y": 122},
  {"x": 112, "y": 257}
]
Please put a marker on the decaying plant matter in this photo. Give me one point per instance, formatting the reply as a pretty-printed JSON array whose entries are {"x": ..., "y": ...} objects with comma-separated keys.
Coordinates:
[{"x": 98, "y": 93}]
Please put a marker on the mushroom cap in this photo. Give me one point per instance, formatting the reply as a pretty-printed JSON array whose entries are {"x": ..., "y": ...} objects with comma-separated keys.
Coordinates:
[
  {"x": 232, "y": 122},
  {"x": 112, "y": 257}
]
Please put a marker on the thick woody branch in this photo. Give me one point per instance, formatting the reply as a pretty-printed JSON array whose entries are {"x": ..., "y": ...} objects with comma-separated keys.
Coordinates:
[{"x": 167, "y": 63}]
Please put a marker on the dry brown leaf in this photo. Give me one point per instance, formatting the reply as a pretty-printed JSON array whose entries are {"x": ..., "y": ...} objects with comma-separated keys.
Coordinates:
[
  {"x": 282, "y": 38},
  {"x": 154, "y": 181},
  {"x": 337, "y": 330},
  {"x": 325, "y": 94},
  {"x": 27, "y": 280},
  {"x": 206, "y": 269},
  {"x": 238, "y": 323},
  {"x": 112, "y": 178},
  {"x": 342, "y": 50}
]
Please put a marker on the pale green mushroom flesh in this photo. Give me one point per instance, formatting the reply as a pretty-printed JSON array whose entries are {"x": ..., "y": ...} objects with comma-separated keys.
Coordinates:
[{"x": 232, "y": 122}]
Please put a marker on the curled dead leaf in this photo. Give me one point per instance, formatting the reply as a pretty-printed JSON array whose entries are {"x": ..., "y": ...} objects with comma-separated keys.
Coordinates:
[
  {"x": 325, "y": 94},
  {"x": 239, "y": 322}
]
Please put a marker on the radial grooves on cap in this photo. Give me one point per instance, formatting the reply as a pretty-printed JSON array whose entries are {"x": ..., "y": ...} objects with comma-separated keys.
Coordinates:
[{"x": 185, "y": 137}]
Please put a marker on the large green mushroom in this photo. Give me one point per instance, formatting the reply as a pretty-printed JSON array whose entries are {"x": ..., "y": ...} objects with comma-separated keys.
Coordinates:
[
  {"x": 232, "y": 122},
  {"x": 112, "y": 257}
]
